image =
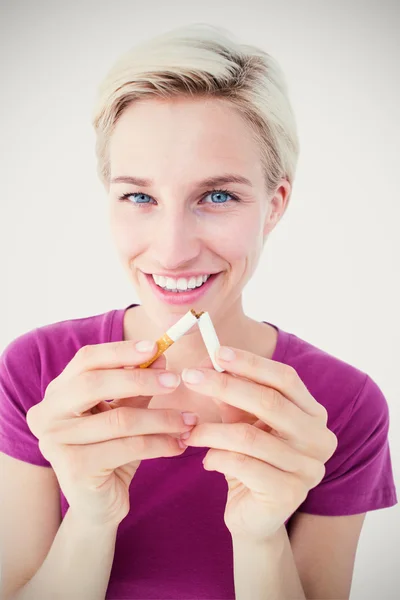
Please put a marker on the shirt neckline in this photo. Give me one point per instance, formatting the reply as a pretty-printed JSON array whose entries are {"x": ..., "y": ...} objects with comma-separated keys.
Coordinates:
[{"x": 116, "y": 334}]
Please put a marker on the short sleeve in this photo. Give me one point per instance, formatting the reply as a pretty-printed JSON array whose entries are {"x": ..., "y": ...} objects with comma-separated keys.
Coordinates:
[
  {"x": 19, "y": 390},
  {"x": 359, "y": 476}
]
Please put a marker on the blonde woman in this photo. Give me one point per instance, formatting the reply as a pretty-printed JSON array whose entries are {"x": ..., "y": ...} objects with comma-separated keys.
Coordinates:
[{"x": 179, "y": 481}]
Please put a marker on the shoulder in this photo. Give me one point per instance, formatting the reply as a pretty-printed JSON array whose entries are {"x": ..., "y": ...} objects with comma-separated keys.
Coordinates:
[
  {"x": 39, "y": 355},
  {"x": 359, "y": 475},
  {"x": 336, "y": 384}
]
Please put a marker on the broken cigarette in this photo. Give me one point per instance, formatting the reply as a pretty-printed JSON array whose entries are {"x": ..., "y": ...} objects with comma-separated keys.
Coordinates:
[
  {"x": 172, "y": 335},
  {"x": 210, "y": 338},
  {"x": 175, "y": 332}
]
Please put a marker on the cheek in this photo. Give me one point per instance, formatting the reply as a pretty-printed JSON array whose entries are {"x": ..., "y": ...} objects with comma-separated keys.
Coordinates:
[
  {"x": 128, "y": 235},
  {"x": 238, "y": 241}
]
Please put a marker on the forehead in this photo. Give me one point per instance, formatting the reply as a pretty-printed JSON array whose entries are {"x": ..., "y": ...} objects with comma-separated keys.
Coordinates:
[{"x": 209, "y": 130}]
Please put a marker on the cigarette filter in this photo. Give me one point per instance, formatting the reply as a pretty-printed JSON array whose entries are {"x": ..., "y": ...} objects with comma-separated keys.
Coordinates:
[
  {"x": 172, "y": 335},
  {"x": 210, "y": 338}
]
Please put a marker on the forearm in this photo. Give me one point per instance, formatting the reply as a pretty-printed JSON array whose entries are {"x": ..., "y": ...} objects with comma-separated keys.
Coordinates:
[
  {"x": 266, "y": 571},
  {"x": 77, "y": 566}
]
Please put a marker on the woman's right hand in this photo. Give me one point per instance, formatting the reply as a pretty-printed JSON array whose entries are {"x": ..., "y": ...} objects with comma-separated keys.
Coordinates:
[{"x": 95, "y": 449}]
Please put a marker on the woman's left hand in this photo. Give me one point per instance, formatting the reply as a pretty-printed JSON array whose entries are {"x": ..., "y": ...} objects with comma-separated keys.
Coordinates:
[{"x": 272, "y": 444}]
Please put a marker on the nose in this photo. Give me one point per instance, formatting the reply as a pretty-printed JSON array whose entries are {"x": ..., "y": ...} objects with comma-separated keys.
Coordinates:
[{"x": 175, "y": 241}]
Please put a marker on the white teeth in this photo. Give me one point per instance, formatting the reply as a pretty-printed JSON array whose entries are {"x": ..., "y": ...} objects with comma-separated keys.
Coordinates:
[{"x": 181, "y": 284}]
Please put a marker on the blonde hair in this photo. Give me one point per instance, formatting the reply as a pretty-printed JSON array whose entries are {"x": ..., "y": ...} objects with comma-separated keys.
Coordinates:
[{"x": 202, "y": 60}]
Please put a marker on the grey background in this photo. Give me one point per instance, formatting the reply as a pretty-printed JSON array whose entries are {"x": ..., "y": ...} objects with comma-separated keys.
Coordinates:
[{"x": 330, "y": 269}]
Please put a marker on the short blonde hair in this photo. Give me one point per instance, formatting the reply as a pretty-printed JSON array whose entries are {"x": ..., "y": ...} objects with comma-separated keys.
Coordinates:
[{"x": 202, "y": 60}]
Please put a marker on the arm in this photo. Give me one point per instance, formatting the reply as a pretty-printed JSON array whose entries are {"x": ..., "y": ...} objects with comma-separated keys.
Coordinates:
[
  {"x": 42, "y": 556},
  {"x": 266, "y": 571},
  {"x": 78, "y": 565},
  {"x": 324, "y": 549}
]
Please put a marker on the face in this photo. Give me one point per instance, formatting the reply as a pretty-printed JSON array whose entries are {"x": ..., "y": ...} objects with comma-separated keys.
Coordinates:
[{"x": 177, "y": 225}]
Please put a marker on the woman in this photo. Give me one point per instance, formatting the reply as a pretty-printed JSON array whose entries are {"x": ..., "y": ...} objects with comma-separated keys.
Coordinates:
[{"x": 197, "y": 150}]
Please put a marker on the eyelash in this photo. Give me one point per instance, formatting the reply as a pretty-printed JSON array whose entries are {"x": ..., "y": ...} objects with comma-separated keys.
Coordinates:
[{"x": 235, "y": 198}]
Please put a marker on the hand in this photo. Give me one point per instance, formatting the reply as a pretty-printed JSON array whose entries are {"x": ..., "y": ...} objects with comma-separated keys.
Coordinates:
[
  {"x": 95, "y": 451},
  {"x": 271, "y": 446}
]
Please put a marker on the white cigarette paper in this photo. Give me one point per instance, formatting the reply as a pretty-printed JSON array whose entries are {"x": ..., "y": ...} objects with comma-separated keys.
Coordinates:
[
  {"x": 210, "y": 338},
  {"x": 182, "y": 326}
]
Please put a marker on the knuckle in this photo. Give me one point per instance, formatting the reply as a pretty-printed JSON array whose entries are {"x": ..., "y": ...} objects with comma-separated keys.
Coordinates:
[
  {"x": 32, "y": 419},
  {"x": 247, "y": 434},
  {"x": 139, "y": 444},
  {"x": 333, "y": 443},
  {"x": 115, "y": 352},
  {"x": 90, "y": 381},
  {"x": 289, "y": 374},
  {"x": 322, "y": 413},
  {"x": 253, "y": 361},
  {"x": 140, "y": 377},
  {"x": 320, "y": 471},
  {"x": 118, "y": 421},
  {"x": 84, "y": 353},
  {"x": 271, "y": 399},
  {"x": 223, "y": 381},
  {"x": 240, "y": 458},
  {"x": 313, "y": 472},
  {"x": 300, "y": 492},
  {"x": 170, "y": 419},
  {"x": 51, "y": 387},
  {"x": 170, "y": 444},
  {"x": 47, "y": 446}
]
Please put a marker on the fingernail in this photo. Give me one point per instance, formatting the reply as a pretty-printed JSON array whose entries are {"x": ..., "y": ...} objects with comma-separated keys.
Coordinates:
[
  {"x": 144, "y": 346},
  {"x": 225, "y": 353},
  {"x": 169, "y": 379},
  {"x": 189, "y": 418},
  {"x": 192, "y": 376}
]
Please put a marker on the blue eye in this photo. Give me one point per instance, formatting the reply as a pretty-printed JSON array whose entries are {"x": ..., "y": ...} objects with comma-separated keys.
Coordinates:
[
  {"x": 218, "y": 193},
  {"x": 135, "y": 194},
  {"x": 218, "y": 201}
]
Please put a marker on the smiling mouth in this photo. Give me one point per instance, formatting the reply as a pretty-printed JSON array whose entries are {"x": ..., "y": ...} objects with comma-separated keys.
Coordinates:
[
  {"x": 196, "y": 283},
  {"x": 179, "y": 297}
]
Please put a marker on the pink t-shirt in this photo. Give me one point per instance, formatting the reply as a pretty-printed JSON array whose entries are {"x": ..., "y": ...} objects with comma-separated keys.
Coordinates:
[{"x": 174, "y": 543}]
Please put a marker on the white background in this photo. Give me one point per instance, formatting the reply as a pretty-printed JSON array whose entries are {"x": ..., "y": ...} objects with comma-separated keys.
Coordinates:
[{"x": 330, "y": 270}]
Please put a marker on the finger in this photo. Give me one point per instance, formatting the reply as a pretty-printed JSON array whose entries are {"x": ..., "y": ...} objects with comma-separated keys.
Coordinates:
[
  {"x": 109, "y": 355},
  {"x": 277, "y": 486},
  {"x": 87, "y": 389},
  {"x": 277, "y": 375},
  {"x": 132, "y": 401},
  {"x": 266, "y": 403},
  {"x": 248, "y": 440},
  {"x": 111, "y": 454},
  {"x": 118, "y": 423}
]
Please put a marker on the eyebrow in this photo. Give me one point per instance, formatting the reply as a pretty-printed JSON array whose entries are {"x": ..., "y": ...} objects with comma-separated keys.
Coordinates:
[{"x": 209, "y": 182}]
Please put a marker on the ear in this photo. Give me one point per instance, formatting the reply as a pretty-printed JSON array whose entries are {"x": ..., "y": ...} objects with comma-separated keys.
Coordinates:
[{"x": 277, "y": 205}]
